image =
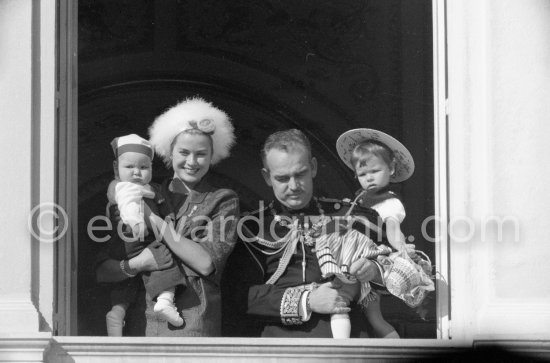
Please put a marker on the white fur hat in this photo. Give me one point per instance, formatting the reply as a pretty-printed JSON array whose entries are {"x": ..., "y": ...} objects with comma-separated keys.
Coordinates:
[{"x": 193, "y": 113}]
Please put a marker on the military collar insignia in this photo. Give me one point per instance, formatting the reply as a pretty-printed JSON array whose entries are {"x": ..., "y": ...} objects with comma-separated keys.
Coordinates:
[{"x": 306, "y": 222}]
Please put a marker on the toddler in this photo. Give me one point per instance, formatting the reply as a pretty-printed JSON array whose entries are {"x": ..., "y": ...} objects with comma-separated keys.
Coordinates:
[
  {"x": 375, "y": 166},
  {"x": 377, "y": 160}
]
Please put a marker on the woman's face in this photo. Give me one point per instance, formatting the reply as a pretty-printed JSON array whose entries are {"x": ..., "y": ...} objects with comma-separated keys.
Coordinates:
[{"x": 191, "y": 157}]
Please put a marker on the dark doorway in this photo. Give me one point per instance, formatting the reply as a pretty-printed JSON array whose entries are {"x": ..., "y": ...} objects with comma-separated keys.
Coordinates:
[{"x": 321, "y": 66}]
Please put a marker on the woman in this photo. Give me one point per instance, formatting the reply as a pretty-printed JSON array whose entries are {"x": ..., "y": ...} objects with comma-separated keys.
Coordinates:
[{"x": 197, "y": 222}]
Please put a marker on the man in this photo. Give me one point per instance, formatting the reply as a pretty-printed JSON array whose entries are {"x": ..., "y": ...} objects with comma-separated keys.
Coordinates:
[{"x": 290, "y": 299}]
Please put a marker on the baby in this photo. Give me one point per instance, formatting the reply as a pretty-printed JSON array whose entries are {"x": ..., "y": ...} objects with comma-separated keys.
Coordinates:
[{"x": 133, "y": 173}]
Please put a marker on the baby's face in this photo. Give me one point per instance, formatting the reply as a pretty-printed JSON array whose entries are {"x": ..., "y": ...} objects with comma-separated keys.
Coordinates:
[
  {"x": 373, "y": 173},
  {"x": 135, "y": 167}
]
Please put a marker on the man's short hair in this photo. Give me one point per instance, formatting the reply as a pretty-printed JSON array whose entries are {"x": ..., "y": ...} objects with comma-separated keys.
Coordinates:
[{"x": 284, "y": 141}]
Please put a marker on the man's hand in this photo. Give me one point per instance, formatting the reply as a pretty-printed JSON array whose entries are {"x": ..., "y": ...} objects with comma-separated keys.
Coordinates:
[
  {"x": 155, "y": 257},
  {"x": 348, "y": 292},
  {"x": 365, "y": 270},
  {"x": 328, "y": 299}
]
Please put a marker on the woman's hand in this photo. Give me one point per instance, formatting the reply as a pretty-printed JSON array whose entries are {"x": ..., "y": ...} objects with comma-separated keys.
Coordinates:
[
  {"x": 154, "y": 257},
  {"x": 161, "y": 254}
]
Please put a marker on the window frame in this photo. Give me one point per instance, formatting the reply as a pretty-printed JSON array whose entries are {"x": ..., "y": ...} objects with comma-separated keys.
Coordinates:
[
  {"x": 441, "y": 182},
  {"x": 66, "y": 168},
  {"x": 66, "y": 151}
]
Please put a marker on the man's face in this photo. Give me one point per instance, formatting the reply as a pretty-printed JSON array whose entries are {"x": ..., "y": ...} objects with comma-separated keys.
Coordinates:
[{"x": 290, "y": 175}]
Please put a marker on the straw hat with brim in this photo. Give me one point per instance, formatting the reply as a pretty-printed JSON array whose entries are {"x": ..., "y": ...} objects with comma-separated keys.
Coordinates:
[{"x": 345, "y": 144}]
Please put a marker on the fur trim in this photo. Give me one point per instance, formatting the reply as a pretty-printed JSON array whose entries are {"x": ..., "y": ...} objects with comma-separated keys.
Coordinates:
[{"x": 186, "y": 115}]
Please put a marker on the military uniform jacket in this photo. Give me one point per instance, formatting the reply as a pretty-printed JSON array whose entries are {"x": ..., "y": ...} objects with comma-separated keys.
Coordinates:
[{"x": 276, "y": 303}]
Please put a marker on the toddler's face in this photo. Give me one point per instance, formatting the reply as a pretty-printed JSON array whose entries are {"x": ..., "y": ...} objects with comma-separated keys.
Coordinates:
[
  {"x": 135, "y": 167},
  {"x": 373, "y": 173}
]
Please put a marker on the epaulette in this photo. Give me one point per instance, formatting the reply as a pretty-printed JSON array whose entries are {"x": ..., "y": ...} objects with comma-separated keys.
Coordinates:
[{"x": 257, "y": 211}]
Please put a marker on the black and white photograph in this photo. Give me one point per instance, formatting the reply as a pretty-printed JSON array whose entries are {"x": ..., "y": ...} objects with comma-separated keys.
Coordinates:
[{"x": 313, "y": 180}]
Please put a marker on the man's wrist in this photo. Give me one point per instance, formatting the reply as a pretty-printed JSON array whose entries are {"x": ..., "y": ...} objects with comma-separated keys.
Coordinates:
[{"x": 305, "y": 308}]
